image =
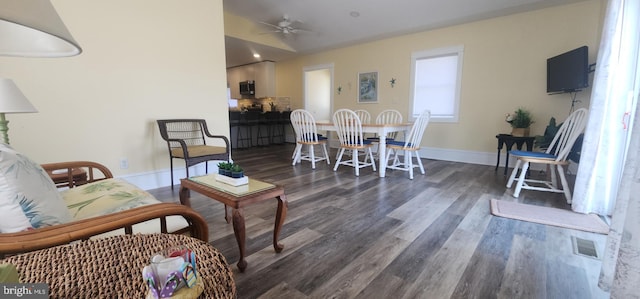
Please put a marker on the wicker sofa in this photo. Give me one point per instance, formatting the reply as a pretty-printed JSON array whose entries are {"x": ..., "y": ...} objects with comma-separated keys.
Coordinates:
[{"x": 93, "y": 205}]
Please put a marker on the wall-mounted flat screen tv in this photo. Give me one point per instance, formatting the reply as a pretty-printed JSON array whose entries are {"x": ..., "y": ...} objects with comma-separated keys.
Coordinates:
[{"x": 568, "y": 72}]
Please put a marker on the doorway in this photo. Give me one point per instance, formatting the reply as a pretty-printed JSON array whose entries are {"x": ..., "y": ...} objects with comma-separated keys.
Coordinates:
[{"x": 318, "y": 84}]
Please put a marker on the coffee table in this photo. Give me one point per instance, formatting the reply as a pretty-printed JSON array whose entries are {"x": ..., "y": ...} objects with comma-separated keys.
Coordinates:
[{"x": 237, "y": 198}]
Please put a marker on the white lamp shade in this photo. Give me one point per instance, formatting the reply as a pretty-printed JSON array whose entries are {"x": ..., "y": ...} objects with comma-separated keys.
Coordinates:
[
  {"x": 12, "y": 100},
  {"x": 32, "y": 28}
]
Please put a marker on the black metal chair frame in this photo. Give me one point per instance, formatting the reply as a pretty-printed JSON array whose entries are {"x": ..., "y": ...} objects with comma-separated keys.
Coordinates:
[{"x": 198, "y": 137}]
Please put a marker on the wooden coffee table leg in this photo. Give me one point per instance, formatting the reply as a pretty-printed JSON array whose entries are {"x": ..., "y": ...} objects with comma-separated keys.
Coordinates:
[
  {"x": 280, "y": 216},
  {"x": 239, "y": 231},
  {"x": 185, "y": 196}
]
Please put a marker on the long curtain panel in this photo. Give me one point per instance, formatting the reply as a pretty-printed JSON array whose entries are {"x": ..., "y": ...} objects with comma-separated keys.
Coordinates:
[
  {"x": 609, "y": 171},
  {"x": 613, "y": 97}
]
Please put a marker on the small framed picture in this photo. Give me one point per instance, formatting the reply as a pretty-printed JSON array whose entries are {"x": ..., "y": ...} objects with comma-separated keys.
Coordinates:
[{"x": 368, "y": 87}]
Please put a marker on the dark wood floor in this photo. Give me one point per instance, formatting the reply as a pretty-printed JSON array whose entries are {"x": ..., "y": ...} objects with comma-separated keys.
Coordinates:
[{"x": 367, "y": 237}]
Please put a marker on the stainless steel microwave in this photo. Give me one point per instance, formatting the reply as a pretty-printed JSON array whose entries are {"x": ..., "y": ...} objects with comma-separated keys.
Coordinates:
[{"x": 247, "y": 87}]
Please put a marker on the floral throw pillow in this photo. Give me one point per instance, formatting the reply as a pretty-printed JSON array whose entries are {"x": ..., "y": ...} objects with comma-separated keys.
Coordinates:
[{"x": 25, "y": 183}]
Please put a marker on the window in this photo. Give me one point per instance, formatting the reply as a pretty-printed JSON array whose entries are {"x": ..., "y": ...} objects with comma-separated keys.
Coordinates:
[{"x": 435, "y": 79}]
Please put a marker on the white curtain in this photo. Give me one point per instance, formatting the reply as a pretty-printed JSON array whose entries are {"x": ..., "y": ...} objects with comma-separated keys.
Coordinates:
[{"x": 611, "y": 113}]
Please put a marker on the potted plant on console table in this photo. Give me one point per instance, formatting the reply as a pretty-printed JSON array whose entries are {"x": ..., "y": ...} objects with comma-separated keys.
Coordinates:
[{"x": 520, "y": 122}]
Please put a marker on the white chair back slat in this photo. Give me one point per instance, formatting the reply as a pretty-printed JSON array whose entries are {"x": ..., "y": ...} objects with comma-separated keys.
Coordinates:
[
  {"x": 348, "y": 127},
  {"x": 567, "y": 135},
  {"x": 364, "y": 115},
  {"x": 389, "y": 116},
  {"x": 304, "y": 126},
  {"x": 414, "y": 138}
]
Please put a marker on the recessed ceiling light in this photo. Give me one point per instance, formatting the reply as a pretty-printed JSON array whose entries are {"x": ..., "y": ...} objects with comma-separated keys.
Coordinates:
[
  {"x": 256, "y": 55},
  {"x": 354, "y": 14}
]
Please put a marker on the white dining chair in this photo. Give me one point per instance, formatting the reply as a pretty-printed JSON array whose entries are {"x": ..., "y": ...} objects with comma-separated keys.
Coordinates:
[
  {"x": 389, "y": 116},
  {"x": 409, "y": 147},
  {"x": 555, "y": 158},
  {"x": 364, "y": 115},
  {"x": 349, "y": 129},
  {"x": 304, "y": 125}
]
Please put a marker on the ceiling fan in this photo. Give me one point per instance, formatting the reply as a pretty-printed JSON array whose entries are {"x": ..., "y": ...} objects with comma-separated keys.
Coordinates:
[{"x": 286, "y": 26}]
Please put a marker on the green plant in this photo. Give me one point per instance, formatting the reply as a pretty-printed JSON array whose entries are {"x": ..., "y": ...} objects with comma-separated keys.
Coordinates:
[
  {"x": 224, "y": 165},
  {"x": 521, "y": 118},
  {"x": 236, "y": 168}
]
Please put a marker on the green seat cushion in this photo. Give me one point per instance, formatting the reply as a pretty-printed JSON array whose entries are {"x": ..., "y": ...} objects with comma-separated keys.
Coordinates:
[{"x": 105, "y": 197}]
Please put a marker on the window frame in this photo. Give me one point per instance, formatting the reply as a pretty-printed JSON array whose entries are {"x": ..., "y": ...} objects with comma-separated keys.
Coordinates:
[{"x": 435, "y": 53}]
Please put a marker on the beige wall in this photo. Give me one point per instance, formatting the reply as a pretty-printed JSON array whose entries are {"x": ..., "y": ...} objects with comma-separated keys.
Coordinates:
[
  {"x": 143, "y": 60},
  {"x": 504, "y": 68}
]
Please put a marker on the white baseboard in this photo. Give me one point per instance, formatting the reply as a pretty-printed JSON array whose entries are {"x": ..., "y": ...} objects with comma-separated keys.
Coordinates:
[{"x": 161, "y": 178}]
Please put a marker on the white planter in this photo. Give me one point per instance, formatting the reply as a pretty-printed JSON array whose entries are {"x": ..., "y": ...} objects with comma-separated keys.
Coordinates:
[{"x": 232, "y": 181}]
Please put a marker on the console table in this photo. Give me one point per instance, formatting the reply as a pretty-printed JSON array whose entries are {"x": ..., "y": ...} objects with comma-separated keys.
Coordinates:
[{"x": 509, "y": 141}]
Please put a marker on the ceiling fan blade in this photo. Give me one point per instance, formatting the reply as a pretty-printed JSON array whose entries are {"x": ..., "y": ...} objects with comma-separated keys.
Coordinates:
[
  {"x": 299, "y": 30},
  {"x": 270, "y": 32},
  {"x": 270, "y": 25}
]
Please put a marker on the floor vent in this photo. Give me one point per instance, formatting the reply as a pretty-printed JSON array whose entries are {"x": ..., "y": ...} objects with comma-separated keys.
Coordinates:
[{"x": 584, "y": 247}]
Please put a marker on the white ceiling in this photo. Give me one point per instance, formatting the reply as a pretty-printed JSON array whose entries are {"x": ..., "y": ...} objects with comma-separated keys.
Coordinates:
[{"x": 332, "y": 25}]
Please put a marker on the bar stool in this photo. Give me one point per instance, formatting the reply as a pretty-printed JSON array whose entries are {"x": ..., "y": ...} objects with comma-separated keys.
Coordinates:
[
  {"x": 234, "y": 122},
  {"x": 285, "y": 121},
  {"x": 264, "y": 130},
  {"x": 277, "y": 127},
  {"x": 249, "y": 121}
]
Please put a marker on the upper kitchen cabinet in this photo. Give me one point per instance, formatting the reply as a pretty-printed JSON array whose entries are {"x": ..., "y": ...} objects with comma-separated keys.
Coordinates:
[
  {"x": 265, "y": 78},
  {"x": 263, "y": 73},
  {"x": 234, "y": 76}
]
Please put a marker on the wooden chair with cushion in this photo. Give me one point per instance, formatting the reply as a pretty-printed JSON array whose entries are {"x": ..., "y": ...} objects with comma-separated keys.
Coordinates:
[
  {"x": 187, "y": 140},
  {"x": 349, "y": 130},
  {"x": 555, "y": 158},
  {"x": 409, "y": 147},
  {"x": 389, "y": 116},
  {"x": 307, "y": 134}
]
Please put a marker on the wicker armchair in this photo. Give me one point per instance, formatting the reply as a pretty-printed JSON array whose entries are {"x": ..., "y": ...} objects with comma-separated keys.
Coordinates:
[
  {"x": 81, "y": 229},
  {"x": 187, "y": 140}
]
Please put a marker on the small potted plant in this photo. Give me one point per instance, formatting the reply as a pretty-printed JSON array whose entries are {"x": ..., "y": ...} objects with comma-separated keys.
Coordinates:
[
  {"x": 224, "y": 168},
  {"x": 236, "y": 171},
  {"x": 520, "y": 122}
]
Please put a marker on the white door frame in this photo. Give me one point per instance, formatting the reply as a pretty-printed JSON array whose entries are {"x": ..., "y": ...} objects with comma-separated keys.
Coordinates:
[{"x": 306, "y": 69}]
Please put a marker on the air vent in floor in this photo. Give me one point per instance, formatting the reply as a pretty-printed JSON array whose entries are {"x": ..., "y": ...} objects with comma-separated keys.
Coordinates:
[{"x": 584, "y": 247}]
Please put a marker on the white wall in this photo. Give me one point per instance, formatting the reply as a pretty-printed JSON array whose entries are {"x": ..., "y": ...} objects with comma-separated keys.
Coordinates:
[
  {"x": 504, "y": 68},
  {"x": 142, "y": 60}
]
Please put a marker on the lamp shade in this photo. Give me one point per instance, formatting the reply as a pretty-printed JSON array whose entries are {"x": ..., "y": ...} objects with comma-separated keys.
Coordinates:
[
  {"x": 12, "y": 100},
  {"x": 32, "y": 28}
]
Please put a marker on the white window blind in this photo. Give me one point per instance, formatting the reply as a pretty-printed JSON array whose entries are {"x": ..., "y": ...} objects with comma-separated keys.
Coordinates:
[{"x": 436, "y": 76}]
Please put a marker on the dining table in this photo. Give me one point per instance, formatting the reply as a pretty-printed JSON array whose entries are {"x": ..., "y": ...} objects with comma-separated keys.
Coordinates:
[{"x": 381, "y": 131}]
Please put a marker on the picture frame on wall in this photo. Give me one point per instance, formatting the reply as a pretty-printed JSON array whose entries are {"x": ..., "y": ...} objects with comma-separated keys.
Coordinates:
[{"x": 368, "y": 87}]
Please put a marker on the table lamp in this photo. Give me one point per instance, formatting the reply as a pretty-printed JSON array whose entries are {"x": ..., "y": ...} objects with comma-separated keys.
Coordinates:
[
  {"x": 11, "y": 101},
  {"x": 32, "y": 28}
]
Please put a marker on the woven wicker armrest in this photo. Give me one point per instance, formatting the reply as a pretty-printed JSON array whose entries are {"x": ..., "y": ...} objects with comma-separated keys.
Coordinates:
[
  {"x": 67, "y": 172},
  {"x": 84, "y": 229}
]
